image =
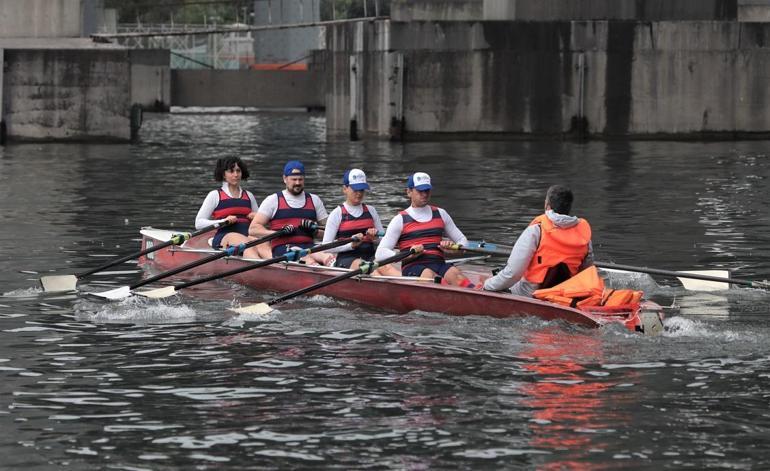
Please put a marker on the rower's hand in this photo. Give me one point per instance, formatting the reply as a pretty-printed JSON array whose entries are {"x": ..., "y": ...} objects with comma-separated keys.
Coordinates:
[
  {"x": 357, "y": 240},
  {"x": 371, "y": 234},
  {"x": 287, "y": 229},
  {"x": 308, "y": 225},
  {"x": 448, "y": 245},
  {"x": 251, "y": 215},
  {"x": 231, "y": 219}
]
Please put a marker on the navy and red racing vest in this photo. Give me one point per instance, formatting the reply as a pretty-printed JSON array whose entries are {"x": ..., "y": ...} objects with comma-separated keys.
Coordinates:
[
  {"x": 428, "y": 233},
  {"x": 238, "y": 207},
  {"x": 285, "y": 214},
  {"x": 351, "y": 225}
]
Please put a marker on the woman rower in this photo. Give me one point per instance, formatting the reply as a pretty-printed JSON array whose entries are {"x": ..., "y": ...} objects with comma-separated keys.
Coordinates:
[
  {"x": 351, "y": 218},
  {"x": 231, "y": 202}
]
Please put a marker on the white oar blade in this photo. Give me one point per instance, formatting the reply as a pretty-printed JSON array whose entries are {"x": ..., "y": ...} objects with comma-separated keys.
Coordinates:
[
  {"x": 56, "y": 283},
  {"x": 114, "y": 294},
  {"x": 651, "y": 323},
  {"x": 703, "y": 285},
  {"x": 159, "y": 293},
  {"x": 259, "y": 309}
]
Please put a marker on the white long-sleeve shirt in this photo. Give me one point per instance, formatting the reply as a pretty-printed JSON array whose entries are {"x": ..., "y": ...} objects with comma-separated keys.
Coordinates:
[
  {"x": 335, "y": 218},
  {"x": 523, "y": 250},
  {"x": 424, "y": 214},
  {"x": 203, "y": 218}
]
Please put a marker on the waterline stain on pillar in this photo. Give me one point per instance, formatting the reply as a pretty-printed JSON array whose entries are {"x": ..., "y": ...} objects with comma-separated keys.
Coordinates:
[{"x": 618, "y": 76}]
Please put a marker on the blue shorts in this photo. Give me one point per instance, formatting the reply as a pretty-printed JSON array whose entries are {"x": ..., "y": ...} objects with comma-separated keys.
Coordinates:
[
  {"x": 279, "y": 250},
  {"x": 415, "y": 269},
  {"x": 345, "y": 260}
]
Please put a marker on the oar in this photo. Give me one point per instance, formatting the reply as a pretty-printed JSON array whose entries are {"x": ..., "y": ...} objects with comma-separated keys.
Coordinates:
[
  {"x": 125, "y": 291},
  {"x": 488, "y": 249},
  {"x": 364, "y": 269},
  {"x": 55, "y": 283},
  {"x": 290, "y": 256},
  {"x": 687, "y": 275},
  {"x": 710, "y": 280}
]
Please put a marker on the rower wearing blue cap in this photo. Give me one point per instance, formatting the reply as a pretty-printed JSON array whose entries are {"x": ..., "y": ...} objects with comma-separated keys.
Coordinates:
[
  {"x": 294, "y": 207},
  {"x": 424, "y": 226},
  {"x": 353, "y": 217}
]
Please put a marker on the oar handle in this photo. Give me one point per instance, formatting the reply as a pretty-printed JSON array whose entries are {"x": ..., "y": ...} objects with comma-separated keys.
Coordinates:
[
  {"x": 287, "y": 257},
  {"x": 364, "y": 268},
  {"x": 176, "y": 239},
  {"x": 679, "y": 274},
  {"x": 232, "y": 250}
]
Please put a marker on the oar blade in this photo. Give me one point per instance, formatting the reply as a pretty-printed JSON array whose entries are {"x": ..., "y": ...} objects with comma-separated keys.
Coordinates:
[
  {"x": 58, "y": 283},
  {"x": 114, "y": 294},
  {"x": 159, "y": 293},
  {"x": 704, "y": 285},
  {"x": 259, "y": 309},
  {"x": 651, "y": 323}
]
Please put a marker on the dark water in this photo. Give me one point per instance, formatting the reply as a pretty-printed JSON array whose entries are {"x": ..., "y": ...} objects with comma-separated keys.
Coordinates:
[{"x": 324, "y": 384}]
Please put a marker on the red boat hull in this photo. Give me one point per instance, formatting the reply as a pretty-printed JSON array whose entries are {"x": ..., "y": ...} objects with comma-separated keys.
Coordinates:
[{"x": 389, "y": 294}]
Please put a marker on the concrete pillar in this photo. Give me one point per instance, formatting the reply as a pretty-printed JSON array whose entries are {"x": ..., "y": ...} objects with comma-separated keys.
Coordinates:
[{"x": 2, "y": 92}]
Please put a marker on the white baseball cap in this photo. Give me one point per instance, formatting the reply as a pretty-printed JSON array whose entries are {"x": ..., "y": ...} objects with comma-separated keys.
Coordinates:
[
  {"x": 355, "y": 178},
  {"x": 419, "y": 181}
]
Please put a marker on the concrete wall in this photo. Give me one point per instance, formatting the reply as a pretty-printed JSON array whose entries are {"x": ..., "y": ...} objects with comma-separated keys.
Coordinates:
[
  {"x": 251, "y": 88},
  {"x": 44, "y": 18},
  {"x": 553, "y": 10},
  {"x": 151, "y": 78},
  {"x": 66, "y": 94},
  {"x": 598, "y": 78},
  {"x": 437, "y": 10},
  {"x": 645, "y": 10},
  {"x": 283, "y": 46}
]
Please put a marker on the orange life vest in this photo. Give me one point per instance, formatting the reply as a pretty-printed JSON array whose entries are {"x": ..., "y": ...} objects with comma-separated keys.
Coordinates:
[
  {"x": 558, "y": 245},
  {"x": 586, "y": 289}
]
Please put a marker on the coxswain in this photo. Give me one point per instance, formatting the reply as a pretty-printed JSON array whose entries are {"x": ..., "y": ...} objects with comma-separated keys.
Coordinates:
[
  {"x": 231, "y": 203},
  {"x": 294, "y": 207},
  {"x": 553, "y": 248},
  {"x": 354, "y": 218},
  {"x": 423, "y": 226}
]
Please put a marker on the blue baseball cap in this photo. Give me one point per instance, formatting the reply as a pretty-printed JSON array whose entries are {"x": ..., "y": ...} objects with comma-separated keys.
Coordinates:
[
  {"x": 293, "y": 167},
  {"x": 419, "y": 181},
  {"x": 355, "y": 178}
]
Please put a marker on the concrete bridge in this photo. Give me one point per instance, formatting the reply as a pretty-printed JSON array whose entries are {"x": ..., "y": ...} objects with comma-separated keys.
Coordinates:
[
  {"x": 553, "y": 68},
  {"x": 452, "y": 69}
]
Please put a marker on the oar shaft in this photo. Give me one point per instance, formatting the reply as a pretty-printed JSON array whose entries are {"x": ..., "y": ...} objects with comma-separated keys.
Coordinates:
[
  {"x": 263, "y": 263},
  {"x": 176, "y": 239},
  {"x": 208, "y": 259},
  {"x": 678, "y": 274},
  {"x": 344, "y": 276}
]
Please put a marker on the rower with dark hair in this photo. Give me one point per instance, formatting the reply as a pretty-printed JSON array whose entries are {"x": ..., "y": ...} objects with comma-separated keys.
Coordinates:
[
  {"x": 229, "y": 202},
  {"x": 554, "y": 247},
  {"x": 292, "y": 207}
]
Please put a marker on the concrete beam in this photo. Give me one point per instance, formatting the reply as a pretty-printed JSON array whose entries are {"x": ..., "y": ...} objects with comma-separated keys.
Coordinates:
[{"x": 247, "y": 88}]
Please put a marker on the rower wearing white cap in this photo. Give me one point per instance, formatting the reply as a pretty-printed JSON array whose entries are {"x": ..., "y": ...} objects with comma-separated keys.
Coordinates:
[
  {"x": 423, "y": 225},
  {"x": 353, "y": 217}
]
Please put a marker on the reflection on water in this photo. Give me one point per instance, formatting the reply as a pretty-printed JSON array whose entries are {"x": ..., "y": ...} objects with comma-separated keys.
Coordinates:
[{"x": 142, "y": 384}]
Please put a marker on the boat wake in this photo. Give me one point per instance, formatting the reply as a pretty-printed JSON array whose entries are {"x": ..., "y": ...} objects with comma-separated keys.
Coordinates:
[
  {"x": 683, "y": 327},
  {"x": 135, "y": 310}
]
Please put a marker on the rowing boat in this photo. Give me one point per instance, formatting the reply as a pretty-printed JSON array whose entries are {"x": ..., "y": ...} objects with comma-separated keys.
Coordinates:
[{"x": 393, "y": 294}]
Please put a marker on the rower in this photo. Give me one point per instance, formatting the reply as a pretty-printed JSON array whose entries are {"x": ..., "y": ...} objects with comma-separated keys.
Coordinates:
[
  {"x": 353, "y": 217},
  {"x": 553, "y": 248},
  {"x": 423, "y": 226},
  {"x": 292, "y": 207},
  {"x": 229, "y": 203}
]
